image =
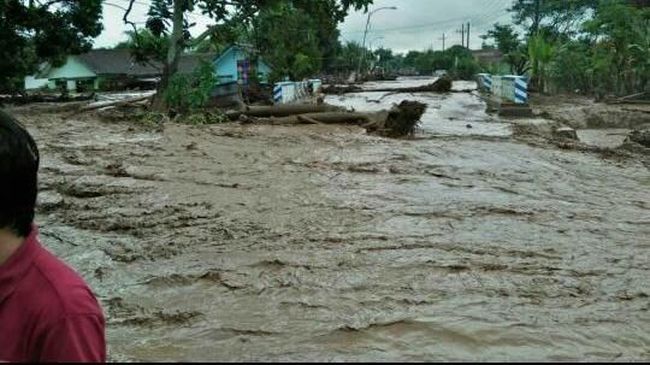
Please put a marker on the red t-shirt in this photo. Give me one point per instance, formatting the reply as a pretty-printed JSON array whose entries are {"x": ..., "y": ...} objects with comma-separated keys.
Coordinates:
[{"x": 47, "y": 312}]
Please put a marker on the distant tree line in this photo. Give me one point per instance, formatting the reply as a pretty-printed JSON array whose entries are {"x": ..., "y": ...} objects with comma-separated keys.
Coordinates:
[{"x": 589, "y": 46}]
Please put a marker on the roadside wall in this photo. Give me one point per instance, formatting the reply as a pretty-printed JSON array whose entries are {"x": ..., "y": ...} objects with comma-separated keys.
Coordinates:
[
  {"x": 511, "y": 88},
  {"x": 291, "y": 92}
]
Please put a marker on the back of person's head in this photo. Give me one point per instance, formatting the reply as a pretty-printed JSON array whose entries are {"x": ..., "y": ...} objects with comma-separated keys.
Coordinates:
[{"x": 19, "y": 160}]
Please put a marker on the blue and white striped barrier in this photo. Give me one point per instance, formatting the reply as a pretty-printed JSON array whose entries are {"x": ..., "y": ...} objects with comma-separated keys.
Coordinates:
[
  {"x": 511, "y": 88},
  {"x": 521, "y": 90},
  {"x": 277, "y": 94},
  {"x": 289, "y": 92},
  {"x": 485, "y": 81}
]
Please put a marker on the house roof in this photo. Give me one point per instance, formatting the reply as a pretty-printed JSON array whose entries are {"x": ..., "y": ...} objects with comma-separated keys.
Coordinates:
[
  {"x": 121, "y": 62},
  {"x": 190, "y": 62},
  {"x": 116, "y": 62}
]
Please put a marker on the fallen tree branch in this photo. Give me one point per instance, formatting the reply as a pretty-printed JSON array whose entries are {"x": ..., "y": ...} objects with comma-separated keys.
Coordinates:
[{"x": 632, "y": 96}]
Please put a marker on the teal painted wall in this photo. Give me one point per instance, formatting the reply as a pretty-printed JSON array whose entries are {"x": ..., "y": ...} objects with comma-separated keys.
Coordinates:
[{"x": 226, "y": 65}]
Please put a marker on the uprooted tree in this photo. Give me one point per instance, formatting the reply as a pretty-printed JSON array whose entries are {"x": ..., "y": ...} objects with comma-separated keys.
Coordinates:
[
  {"x": 35, "y": 31},
  {"x": 171, "y": 14},
  {"x": 400, "y": 121}
]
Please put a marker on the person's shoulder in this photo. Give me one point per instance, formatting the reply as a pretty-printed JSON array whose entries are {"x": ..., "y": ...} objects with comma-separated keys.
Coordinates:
[{"x": 62, "y": 289}]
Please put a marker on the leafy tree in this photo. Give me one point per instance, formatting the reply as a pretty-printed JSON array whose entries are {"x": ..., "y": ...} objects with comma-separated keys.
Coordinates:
[
  {"x": 35, "y": 31},
  {"x": 511, "y": 47},
  {"x": 347, "y": 58},
  {"x": 146, "y": 46},
  {"x": 540, "y": 54},
  {"x": 622, "y": 40},
  {"x": 325, "y": 16},
  {"x": 457, "y": 60},
  {"x": 552, "y": 16},
  {"x": 505, "y": 37},
  {"x": 191, "y": 92},
  {"x": 389, "y": 61},
  {"x": 287, "y": 38},
  {"x": 166, "y": 15},
  {"x": 571, "y": 67}
]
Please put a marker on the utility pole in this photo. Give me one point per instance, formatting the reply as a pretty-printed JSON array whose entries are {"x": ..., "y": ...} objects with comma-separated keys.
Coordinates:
[
  {"x": 462, "y": 34},
  {"x": 538, "y": 16},
  {"x": 444, "y": 37},
  {"x": 468, "y": 30},
  {"x": 363, "y": 47}
]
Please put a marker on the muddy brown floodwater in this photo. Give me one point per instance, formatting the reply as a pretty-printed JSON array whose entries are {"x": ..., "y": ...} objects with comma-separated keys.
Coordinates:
[{"x": 322, "y": 243}]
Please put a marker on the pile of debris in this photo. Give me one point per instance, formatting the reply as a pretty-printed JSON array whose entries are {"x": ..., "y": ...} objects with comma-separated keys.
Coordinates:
[
  {"x": 641, "y": 137},
  {"x": 400, "y": 121}
]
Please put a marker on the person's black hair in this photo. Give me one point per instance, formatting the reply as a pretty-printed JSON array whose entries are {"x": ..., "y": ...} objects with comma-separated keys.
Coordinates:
[{"x": 19, "y": 161}]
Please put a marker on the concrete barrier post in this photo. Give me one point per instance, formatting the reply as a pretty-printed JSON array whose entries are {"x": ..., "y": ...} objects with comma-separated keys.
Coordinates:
[
  {"x": 521, "y": 90},
  {"x": 485, "y": 81},
  {"x": 277, "y": 93}
]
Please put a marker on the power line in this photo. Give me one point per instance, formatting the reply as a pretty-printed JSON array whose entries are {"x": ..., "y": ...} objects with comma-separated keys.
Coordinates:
[{"x": 479, "y": 19}]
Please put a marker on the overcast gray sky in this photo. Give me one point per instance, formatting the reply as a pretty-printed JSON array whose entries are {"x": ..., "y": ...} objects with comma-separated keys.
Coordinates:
[{"x": 416, "y": 24}]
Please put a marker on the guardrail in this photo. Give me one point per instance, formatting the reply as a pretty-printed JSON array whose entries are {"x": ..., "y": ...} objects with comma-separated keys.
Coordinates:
[
  {"x": 511, "y": 88},
  {"x": 289, "y": 91}
]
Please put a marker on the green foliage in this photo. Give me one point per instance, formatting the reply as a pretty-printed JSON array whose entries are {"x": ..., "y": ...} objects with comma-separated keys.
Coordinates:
[
  {"x": 552, "y": 17},
  {"x": 457, "y": 60},
  {"x": 465, "y": 69},
  {"x": 223, "y": 35},
  {"x": 324, "y": 18},
  {"x": 32, "y": 32},
  {"x": 287, "y": 38},
  {"x": 388, "y": 61},
  {"x": 347, "y": 58},
  {"x": 540, "y": 55},
  {"x": 300, "y": 37},
  {"x": 294, "y": 33},
  {"x": 589, "y": 46},
  {"x": 505, "y": 37},
  {"x": 146, "y": 46},
  {"x": 511, "y": 47},
  {"x": 622, "y": 44},
  {"x": 570, "y": 68},
  {"x": 191, "y": 92}
]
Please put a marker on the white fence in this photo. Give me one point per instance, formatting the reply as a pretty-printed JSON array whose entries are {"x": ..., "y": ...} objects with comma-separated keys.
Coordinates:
[
  {"x": 508, "y": 87},
  {"x": 290, "y": 92}
]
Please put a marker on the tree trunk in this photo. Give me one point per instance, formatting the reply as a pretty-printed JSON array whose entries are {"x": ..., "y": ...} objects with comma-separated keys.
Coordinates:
[
  {"x": 286, "y": 110},
  {"x": 173, "y": 54},
  {"x": 400, "y": 121}
]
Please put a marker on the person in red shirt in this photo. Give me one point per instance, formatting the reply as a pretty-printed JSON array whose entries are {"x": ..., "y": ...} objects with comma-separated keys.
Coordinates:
[{"x": 47, "y": 312}]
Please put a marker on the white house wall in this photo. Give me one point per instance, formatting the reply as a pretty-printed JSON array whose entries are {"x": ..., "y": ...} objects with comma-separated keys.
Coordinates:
[
  {"x": 32, "y": 83},
  {"x": 72, "y": 69}
]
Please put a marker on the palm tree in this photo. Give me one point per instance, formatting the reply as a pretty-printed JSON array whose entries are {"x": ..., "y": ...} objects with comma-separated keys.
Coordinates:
[{"x": 540, "y": 54}]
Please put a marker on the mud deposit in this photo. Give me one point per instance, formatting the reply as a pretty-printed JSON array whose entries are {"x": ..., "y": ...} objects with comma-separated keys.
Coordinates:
[{"x": 322, "y": 243}]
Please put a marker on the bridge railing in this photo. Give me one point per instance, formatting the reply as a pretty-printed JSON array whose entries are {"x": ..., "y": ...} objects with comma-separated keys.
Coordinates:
[
  {"x": 510, "y": 88},
  {"x": 290, "y": 91}
]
